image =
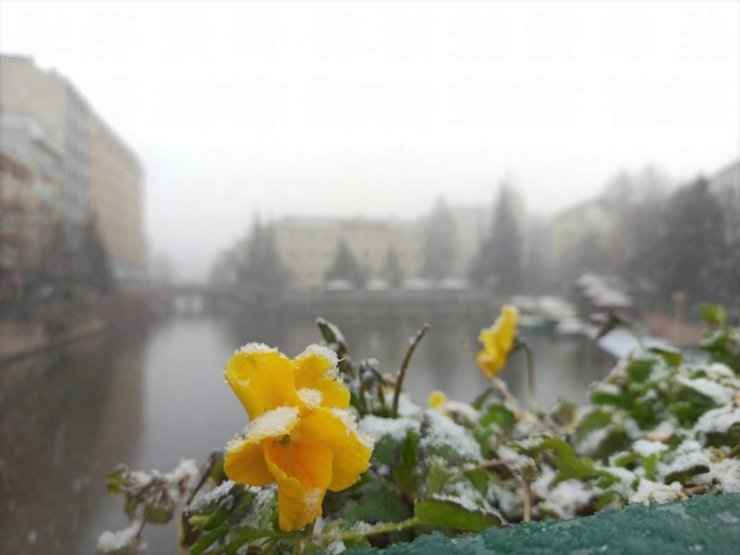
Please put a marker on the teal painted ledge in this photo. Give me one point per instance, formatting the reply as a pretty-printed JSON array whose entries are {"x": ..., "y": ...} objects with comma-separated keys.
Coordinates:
[{"x": 705, "y": 524}]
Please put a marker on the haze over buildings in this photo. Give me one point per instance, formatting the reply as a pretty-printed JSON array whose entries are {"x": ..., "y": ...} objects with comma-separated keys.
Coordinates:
[{"x": 374, "y": 109}]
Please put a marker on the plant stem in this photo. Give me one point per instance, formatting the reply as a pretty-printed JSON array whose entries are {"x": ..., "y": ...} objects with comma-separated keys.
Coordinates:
[
  {"x": 482, "y": 466},
  {"x": 527, "y": 498},
  {"x": 734, "y": 452},
  {"x": 413, "y": 342},
  {"x": 501, "y": 386},
  {"x": 697, "y": 490},
  {"x": 533, "y": 406},
  {"x": 140, "y": 529},
  {"x": 212, "y": 458},
  {"x": 370, "y": 531}
]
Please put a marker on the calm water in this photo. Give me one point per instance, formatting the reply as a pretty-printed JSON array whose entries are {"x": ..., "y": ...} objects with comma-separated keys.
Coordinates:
[{"x": 150, "y": 398}]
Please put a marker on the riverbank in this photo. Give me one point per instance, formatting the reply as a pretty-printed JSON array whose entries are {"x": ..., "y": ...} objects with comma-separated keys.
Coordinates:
[{"x": 33, "y": 334}]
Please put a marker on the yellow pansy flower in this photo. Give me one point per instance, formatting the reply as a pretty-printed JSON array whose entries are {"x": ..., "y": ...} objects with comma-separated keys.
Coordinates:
[
  {"x": 300, "y": 433},
  {"x": 498, "y": 340}
]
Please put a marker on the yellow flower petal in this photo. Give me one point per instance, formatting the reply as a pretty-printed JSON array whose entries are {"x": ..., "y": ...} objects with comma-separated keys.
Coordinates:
[
  {"x": 302, "y": 470},
  {"x": 498, "y": 340},
  {"x": 262, "y": 378},
  {"x": 245, "y": 463},
  {"x": 338, "y": 431},
  {"x": 490, "y": 363},
  {"x": 317, "y": 370}
]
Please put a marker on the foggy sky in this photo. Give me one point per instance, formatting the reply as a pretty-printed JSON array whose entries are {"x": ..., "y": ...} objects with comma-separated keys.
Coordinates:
[{"x": 378, "y": 108}]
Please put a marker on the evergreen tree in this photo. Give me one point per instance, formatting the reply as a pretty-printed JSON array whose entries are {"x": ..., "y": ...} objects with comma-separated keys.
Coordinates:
[
  {"x": 499, "y": 258},
  {"x": 95, "y": 263},
  {"x": 692, "y": 249},
  {"x": 56, "y": 260},
  {"x": 439, "y": 243},
  {"x": 345, "y": 266},
  {"x": 261, "y": 271},
  {"x": 392, "y": 268},
  {"x": 638, "y": 206}
]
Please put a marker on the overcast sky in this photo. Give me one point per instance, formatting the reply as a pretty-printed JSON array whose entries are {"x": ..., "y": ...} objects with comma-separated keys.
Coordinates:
[{"x": 377, "y": 108}]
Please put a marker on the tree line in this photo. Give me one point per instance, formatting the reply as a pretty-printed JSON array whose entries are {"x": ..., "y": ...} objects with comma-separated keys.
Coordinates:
[{"x": 658, "y": 237}]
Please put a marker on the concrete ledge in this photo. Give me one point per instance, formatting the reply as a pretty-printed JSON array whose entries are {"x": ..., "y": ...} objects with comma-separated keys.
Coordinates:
[{"x": 705, "y": 524}]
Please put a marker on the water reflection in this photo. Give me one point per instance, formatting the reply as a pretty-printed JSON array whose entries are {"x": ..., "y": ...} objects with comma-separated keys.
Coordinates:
[
  {"x": 445, "y": 359},
  {"x": 64, "y": 421},
  {"x": 150, "y": 398}
]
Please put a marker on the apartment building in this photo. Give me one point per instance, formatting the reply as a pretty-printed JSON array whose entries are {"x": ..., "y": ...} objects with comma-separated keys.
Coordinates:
[
  {"x": 31, "y": 177},
  {"x": 307, "y": 245},
  {"x": 116, "y": 196},
  {"x": 101, "y": 176}
]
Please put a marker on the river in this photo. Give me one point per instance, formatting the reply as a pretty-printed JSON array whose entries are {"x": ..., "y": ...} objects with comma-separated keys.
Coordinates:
[{"x": 150, "y": 397}]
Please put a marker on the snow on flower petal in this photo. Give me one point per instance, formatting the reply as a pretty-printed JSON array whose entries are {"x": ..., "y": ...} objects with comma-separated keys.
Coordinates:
[{"x": 316, "y": 369}]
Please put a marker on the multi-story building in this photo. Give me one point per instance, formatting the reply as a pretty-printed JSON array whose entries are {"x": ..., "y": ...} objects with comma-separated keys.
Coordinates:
[
  {"x": 31, "y": 175},
  {"x": 116, "y": 196},
  {"x": 101, "y": 177},
  {"x": 307, "y": 246}
]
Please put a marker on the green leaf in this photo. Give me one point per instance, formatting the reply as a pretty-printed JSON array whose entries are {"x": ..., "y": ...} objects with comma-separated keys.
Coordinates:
[
  {"x": 386, "y": 451},
  {"x": 645, "y": 411},
  {"x": 714, "y": 314},
  {"x": 450, "y": 514},
  {"x": 728, "y": 438},
  {"x": 159, "y": 515},
  {"x": 627, "y": 460},
  {"x": 216, "y": 519},
  {"x": 406, "y": 474},
  {"x": 498, "y": 415},
  {"x": 376, "y": 502},
  {"x": 568, "y": 464},
  {"x": 593, "y": 421},
  {"x": 242, "y": 536},
  {"x": 479, "y": 479},
  {"x": 437, "y": 475},
  {"x": 600, "y": 396},
  {"x": 640, "y": 370},
  {"x": 130, "y": 506},
  {"x": 672, "y": 358},
  {"x": 115, "y": 482},
  {"x": 609, "y": 499},
  {"x": 565, "y": 414},
  {"x": 650, "y": 464},
  {"x": 208, "y": 538},
  {"x": 333, "y": 337},
  {"x": 480, "y": 399},
  {"x": 690, "y": 404}
]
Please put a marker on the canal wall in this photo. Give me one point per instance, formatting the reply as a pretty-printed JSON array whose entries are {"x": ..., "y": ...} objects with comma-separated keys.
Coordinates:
[{"x": 35, "y": 333}]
